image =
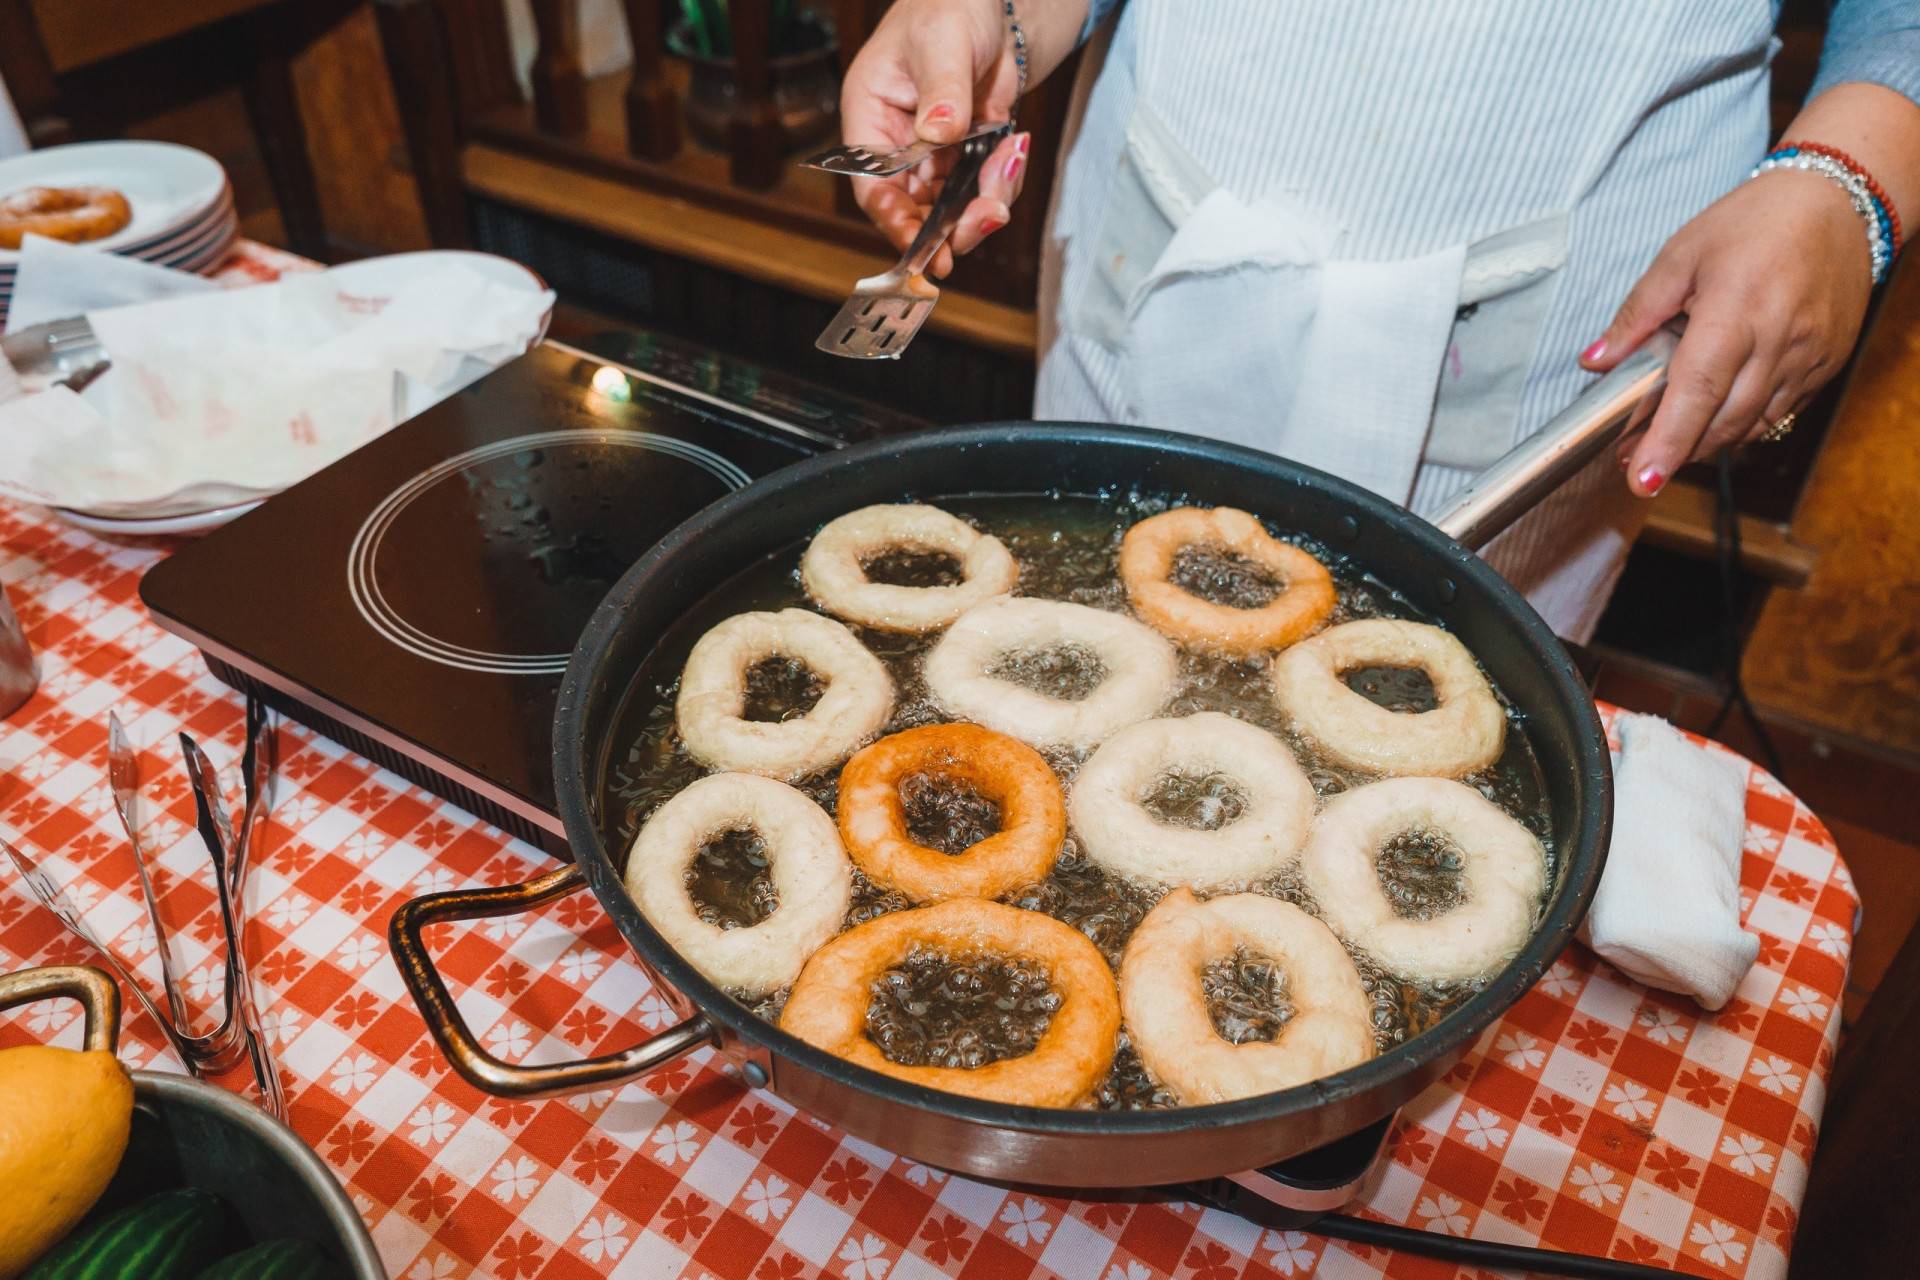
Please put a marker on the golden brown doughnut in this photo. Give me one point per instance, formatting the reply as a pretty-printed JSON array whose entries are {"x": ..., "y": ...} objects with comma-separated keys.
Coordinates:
[
  {"x": 828, "y": 1005},
  {"x": 73, "y": 214},
  {"x": 1146, "y": 558},
  {"x": 873, "y": 822}
]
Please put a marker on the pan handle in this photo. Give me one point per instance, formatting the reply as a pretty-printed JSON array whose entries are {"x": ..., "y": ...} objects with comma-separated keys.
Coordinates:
[
  {"x": 474, "y": 1064},
  {"x": 1619, "y": 400},
  {"x": 93, "y": 989}
]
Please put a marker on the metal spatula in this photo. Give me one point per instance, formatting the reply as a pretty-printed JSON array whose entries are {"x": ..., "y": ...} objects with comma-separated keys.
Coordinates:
[
  {"x": 884, "y": 312},
  {"x": 865, "y": 162}
]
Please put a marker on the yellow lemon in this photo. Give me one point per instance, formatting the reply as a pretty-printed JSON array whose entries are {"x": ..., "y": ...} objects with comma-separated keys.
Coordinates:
[{"x": 64, "y": 1117}]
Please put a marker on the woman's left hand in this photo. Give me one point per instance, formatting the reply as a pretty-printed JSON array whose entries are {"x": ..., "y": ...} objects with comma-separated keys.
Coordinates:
[{"x": 1774, "y": 280}]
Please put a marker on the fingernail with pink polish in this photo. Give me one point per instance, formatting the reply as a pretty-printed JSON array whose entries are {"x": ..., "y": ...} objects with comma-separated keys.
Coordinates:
[
  {"x": 1015, "y": 163},
  {"x": 991, "y": 225},
  {"x": 1595, "y": 351},
  {"x": 941, "y": 112},
  {"x": 1651, "y": 479}
]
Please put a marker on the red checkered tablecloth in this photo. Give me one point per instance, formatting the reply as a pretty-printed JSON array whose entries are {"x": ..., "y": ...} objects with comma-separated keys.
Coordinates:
[{"x": 1596, "y": 1116}]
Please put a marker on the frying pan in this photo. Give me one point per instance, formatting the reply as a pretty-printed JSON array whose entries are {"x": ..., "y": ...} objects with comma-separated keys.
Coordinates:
[{"x": 1432, "y": 566}]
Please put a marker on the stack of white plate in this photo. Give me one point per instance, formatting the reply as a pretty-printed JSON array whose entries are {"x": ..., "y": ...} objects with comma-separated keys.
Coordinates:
[{"x": 182, "y": 204}]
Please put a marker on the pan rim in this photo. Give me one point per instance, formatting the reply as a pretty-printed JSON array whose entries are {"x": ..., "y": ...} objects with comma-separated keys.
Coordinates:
[{"x": 574, "y": 759}]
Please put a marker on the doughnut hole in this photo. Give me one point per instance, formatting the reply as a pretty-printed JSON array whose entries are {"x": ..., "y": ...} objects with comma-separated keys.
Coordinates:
[
  {"x": 939, "y": 1011},
  {"x": 911, "y": 567},
  {"x": 1408, "y": 690},
  {"x": 946, "y": 814},
  {"x": 1068, "y": 672},
  {"x": 1424, "y": 874},
  {"x": 1246, "y": 997},
  {"x": 1199, "y": 802},
  {"x": 1223, "y": 577},
  {"x": 731, "y": 881},
  {"x": 780, "y": 688}
]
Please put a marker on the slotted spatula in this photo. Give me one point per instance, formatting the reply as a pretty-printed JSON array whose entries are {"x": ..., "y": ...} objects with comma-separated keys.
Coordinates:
[{"x": 884, "y": 312}]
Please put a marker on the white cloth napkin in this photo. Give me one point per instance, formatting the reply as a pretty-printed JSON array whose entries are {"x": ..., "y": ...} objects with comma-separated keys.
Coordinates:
[
  {"x": 13, "y": 134},
  {"x": 243, "y": 392},
  {"x": 1667, "y": 912}
]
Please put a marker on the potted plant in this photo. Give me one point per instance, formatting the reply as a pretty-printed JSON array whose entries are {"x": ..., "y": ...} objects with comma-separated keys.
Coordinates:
[{"x": 803, "y": 62}]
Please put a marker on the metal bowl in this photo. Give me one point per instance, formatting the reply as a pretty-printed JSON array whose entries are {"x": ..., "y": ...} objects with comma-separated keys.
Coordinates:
[{"x": 187, "y": 1133}]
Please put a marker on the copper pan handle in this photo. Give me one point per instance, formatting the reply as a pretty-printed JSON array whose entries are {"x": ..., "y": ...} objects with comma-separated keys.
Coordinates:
[
  {"x": 93, "y": 989},
  {"x": 475, "y": 1065},
  {"x": 1619, "y": 400}
]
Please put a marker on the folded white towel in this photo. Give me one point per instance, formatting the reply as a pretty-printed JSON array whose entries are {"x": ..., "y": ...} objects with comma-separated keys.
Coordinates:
[{"x": 1667, "y": 912}]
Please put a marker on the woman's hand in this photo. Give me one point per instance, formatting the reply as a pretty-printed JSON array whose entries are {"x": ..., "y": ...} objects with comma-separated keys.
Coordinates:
[
  {"x": 1773, "y": 279},
  {"x": 930, "y": 70}
]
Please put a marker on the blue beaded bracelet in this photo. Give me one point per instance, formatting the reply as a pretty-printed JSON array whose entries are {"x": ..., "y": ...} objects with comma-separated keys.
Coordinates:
[{"x": 1019, "y": 48}]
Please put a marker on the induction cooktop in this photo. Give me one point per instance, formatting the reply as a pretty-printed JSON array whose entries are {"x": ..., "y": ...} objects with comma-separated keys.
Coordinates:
[{"x": 417, "y": 600}]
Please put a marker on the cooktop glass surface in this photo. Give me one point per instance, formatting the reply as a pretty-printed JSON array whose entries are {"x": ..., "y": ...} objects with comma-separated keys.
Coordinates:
[{"x": 426, "y": 590}]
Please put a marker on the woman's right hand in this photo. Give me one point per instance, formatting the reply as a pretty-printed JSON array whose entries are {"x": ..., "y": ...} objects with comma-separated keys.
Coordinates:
[{"x": 930, "y": 70}]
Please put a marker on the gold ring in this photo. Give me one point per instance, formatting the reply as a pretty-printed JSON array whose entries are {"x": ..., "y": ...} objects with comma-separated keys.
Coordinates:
[{"x": 1779, "y": 430}]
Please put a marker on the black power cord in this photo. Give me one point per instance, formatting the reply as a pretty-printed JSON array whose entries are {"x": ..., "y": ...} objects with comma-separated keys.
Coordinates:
[
  {"x": 1484, "y": 1253},
  {"x": 1726, "y": 539}
]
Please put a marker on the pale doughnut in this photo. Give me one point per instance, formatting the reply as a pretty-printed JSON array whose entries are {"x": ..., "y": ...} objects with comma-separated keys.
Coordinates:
[
  {"x": 1465, "y": 732},
  {"x": 1146, "y": 558},
  {"x": 1166, "y": 1011},
  {"x": 1504, "y": 877},
  {"x": 828, "y": 1005},
  {"x": 833, "y": 575},
  {"x": 810, "y": 874},
  {"x": 873, "y": 821},
  {"x": 713, "y": 690},
  {"x": 1118, "y": 832},
  {"x": 1140, "y": 670}
]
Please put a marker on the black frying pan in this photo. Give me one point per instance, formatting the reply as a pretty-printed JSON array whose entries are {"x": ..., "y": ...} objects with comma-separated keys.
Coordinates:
[{"x": 1435, "y": 572}]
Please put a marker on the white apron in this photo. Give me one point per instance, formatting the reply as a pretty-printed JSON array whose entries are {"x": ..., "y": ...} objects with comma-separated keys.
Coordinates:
[{"x": 1374, "y": 235}]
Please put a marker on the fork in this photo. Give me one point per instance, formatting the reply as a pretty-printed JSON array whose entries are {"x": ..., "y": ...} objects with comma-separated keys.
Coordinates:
[
  {"x": 865, "y": 162},
  {"x": 123, "y": 774},
  {"x": 884, "y": 312}
]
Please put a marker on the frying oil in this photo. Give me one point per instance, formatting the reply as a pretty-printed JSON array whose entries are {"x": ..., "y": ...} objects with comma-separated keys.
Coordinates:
[{"x": 967, "y": 1011}]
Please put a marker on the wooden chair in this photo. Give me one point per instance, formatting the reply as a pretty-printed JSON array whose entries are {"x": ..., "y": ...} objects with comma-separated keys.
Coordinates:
[{"x": 80, "y": 69}]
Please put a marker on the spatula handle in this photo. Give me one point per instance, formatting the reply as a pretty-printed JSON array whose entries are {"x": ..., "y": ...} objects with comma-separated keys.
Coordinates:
[{"x": 963, "y": 181}]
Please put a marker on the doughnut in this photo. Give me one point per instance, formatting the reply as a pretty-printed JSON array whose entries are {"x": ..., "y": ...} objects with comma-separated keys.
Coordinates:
[
  {"x": 873, "y": 822},
  {"x": 1140, "y": 670},
  {"x": 1166, "y": 1012},
  {"x": 713, "y": 691},
  {"x": 828, "y": 1005},
  {"x": 809, "y": 868},
  {"x": 833, "y": 575},
  {"x": 1120, "y": 834},
  {"x": 1146, "y": 558},
  {"x": 73, "y": 214},
  {"x": 1504, "y": 877},
  {"x": 1465, "y": 732}
]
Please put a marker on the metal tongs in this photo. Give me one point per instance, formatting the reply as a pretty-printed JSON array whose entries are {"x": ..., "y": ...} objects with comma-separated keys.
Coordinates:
[
  {"x": 238, "y": 1034},
  {"x": 884, "y": 312}
]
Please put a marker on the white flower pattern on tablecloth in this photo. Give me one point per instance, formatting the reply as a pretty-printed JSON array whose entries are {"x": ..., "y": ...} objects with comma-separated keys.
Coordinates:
[
  {"x": 510, "y": 1039},
  {"x": 1804, "y": 1003},
  {"x": 1776, "y": 1075},
  {"x": 1440, "y": 1212},
  {"x": 1597, "y": 1185},
  {"x": 920, "y": 1175},
  {"x": 353, "y": 1072},
  {"x": 358, "y": 952},
  {"x": 437, "y": 1267},
  {"x": 604, "y": 1238},
  {"x": 364, "y": 846},
  {"x": 1025, "y": 1220},
  {"x": 1630, "y": 1101},
  {"x": 1829, "y": 937},
  {"x": 1717, "y": 1242},
  {"x": 864, "y": 1258},
  {"x": 1482, "y": 1129},
  {"x": 432, "y": 1123},
  {"x": 581, "y": 965},
  {"x": 767, "y": 1199},
  {"x": 515, "y": 1178},
  {"x": 1130, "y": 1270},
  {"x": 284, "y": 913},
  {"x": 435, "y": 880},
  {"x": 280, "y": 1024},
  {"x": 1747, "y": 1153},
  {"x": 1520, "y": 1051},
  {"x": 675, "y": 1142},
  {"x": 1663, "y": 1025}
]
